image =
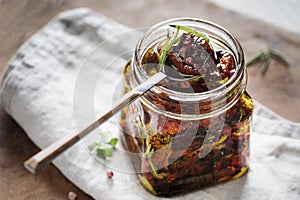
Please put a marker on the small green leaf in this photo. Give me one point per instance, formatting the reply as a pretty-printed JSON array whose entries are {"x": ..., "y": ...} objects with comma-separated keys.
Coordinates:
[
  {"x": 107, "y": 152},
  {"x": 102, "y": 149},
  {"x": 104, "y": 153},
  {"x": 113, "y": 142},
  {"x": 92, "y": 146},
  {"x": 100, "y": 153}
]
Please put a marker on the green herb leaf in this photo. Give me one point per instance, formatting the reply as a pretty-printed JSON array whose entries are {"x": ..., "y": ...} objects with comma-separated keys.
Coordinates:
[
  {"x": 279, "y": 58},
  {"x": 167, "y": 46},
  {"x": 264, "y": 56},
  {"x": 176, "y": 38},
  {"x": 265, "y": 67},
  {"x": 94, "y": 145},
  {"x": 103, "y": 153},
  {"x": 102, "y": 149},
  {"x": 107, "y": 152},
  {"x": 164, "y": 50},
  {"x": 113, "y": 142},
  {"x": 91, "y": 147},
  {"x": 161, "y": 175},
  {"x": 149, "y": 152},
  {"x": 192, "y": 31},
  {"x": 256, "y": 58}
]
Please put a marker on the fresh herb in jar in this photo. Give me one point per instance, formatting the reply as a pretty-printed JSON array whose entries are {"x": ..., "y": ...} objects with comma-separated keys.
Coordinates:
[
  {"x": 191, "y": 31},
  {"x": 169, "y": 42},
  {"x": 166, "y": 47},
  {"x": 191, "y": 54},
  {"x": 178, "y": 154}
]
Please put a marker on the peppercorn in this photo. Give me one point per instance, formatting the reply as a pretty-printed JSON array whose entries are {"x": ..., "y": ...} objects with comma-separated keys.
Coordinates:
[{"x": 109, "y": 173}]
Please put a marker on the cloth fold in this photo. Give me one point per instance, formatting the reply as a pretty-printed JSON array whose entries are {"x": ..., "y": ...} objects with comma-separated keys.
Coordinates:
[{"x": 46, "y": 89}]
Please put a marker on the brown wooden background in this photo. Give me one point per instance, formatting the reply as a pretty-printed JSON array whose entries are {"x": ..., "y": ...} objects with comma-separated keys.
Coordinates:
[{"x": 19, "y": 19}]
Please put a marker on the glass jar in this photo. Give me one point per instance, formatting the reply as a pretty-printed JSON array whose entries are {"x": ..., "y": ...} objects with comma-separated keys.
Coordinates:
[{"x": 184, "y": 138}]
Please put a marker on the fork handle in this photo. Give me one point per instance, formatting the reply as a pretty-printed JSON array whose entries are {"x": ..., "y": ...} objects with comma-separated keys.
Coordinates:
[{"x": 45, "y": 156}]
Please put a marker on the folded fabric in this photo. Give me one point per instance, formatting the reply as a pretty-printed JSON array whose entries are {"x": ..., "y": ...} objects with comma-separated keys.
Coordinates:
[{"x": 59, "y": 80}]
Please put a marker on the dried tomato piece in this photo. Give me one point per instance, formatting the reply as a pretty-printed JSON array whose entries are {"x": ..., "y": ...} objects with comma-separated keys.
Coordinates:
[{"x": 183, "y": 68}]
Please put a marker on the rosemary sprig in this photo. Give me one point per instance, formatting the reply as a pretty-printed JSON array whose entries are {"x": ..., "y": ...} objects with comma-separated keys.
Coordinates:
[
  {"x": 276, "y": 56},
  {"x": 192, "y": 31},
  {"x": 161, "y": 175},
  {"x": 265, "y": 56},
  {"x": 167, "y": 46},
  {"x": 148, "y": 154},
  {"x": 164, "y": 50}
]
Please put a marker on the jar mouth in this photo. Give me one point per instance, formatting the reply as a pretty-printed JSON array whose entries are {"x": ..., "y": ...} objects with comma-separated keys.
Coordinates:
[{"x": 212, "y": 30}]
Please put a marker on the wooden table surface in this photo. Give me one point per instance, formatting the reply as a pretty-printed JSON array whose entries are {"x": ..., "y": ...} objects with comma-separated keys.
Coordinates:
[{"x": 278, "y": 90}]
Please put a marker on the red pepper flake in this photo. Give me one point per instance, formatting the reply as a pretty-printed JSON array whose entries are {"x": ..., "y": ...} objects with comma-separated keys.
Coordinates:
[{"x": 109, "y": 174}]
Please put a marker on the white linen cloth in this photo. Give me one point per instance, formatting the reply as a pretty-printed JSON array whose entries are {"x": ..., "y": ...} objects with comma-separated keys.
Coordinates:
[{"x": 41, "y": 84}]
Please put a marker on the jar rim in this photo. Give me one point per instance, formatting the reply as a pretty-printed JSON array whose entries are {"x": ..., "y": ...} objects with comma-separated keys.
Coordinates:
[
  {"x": 239, "y": 57},
  {"x": 220, "y": 98}
]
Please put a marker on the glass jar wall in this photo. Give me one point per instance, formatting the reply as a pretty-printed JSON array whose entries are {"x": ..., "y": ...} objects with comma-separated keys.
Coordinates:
[{"x": 191, "y": 133}]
